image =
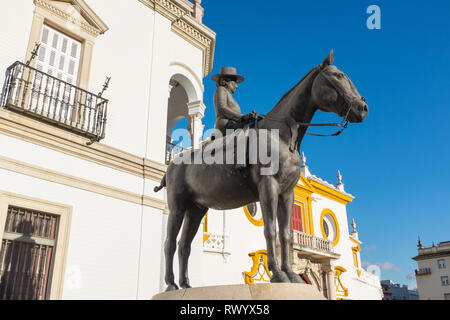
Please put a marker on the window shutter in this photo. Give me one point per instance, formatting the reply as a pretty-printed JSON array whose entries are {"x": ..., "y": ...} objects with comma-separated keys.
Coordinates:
[
  {"x": 296, "y": 222},
  {"x": 61, "y": 53}
]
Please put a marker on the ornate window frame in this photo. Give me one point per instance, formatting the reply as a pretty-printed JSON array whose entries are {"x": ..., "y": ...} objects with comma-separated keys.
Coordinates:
[
  {"x": 255, "y": 222},
  {"x": 333, "y": 216},
  {"x": 83, "y": 26},
  {"x": 64, "y": 212}
]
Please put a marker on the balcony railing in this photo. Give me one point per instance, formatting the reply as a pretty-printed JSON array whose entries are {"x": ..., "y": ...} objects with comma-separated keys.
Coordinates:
[
  {"x": 49, "y": 99},
  {"x": 311, "y": 242},
  {"x": 423, "y": 272},
  {"x": 172, "y": 151}
]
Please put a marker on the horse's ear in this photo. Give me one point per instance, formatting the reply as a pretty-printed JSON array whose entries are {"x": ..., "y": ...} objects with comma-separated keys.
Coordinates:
[{"x": 329, "y": 60}]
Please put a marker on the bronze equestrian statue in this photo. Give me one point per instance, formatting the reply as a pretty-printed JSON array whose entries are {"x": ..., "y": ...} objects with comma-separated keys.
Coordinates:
[{"x": 194, "y": 188}]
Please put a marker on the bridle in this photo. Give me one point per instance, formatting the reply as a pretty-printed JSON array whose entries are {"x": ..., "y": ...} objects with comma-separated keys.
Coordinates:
[{"x": 343, "y": 124}]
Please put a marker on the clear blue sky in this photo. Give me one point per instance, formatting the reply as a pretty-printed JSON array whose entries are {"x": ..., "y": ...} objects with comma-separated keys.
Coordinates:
[{"x": 396, "y": 163}]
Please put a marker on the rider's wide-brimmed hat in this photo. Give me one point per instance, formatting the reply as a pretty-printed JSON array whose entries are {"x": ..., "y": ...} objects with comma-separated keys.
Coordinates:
[{"x": 229, "y": 73}]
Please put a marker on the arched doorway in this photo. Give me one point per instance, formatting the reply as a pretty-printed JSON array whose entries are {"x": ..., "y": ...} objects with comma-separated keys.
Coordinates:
[{"x": 184, "y": 116}]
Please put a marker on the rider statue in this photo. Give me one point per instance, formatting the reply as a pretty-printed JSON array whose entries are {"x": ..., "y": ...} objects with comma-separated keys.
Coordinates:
[{"x": 228, "y": 112}]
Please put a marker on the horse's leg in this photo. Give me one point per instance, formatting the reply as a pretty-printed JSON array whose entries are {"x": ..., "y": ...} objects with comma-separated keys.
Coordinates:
[
  {"x": 268, "y": 195},
  {"x": 193, "y": 218},
  {"x": 284, "y": 215},
  {"x": 175, "y": 221}
]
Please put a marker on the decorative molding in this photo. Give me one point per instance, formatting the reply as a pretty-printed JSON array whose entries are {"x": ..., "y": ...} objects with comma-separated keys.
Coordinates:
[
  {"x": 182, "y": 65},
  {"x": 336, "y": 223},
  {"x": 79, "y": 183},
  {"x": 329, "y": 192},
  {"x": 340, "y": 289},
  {"x": 42, "y": 134},
  {"x": 181, "y": 14},
  {"x": 97, "y": 27},
  {"x": 215, "y": 243},
  {"x": 255, "y": 222},
  {"x": 259, "y": 272}
]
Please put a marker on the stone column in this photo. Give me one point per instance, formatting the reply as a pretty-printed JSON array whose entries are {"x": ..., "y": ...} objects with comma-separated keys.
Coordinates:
[
  {"x": 196, "y": 113},
  {"x": 330, "y": 281},
  {"x": 331, "y": 285}
]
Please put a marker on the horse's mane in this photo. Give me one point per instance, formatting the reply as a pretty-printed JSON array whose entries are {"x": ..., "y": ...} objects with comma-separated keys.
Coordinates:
[{"x": 299, "y": 83}]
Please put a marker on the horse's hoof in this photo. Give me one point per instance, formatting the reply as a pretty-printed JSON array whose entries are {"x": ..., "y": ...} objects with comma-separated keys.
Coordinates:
[
  {"x": 185, "y": 285},
  {"x": 294, "y": 278},
  {"x": 172, "y": 287},
  {"x": 279, "y": 277}
]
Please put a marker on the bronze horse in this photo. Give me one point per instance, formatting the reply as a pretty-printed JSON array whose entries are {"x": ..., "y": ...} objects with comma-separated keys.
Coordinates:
[{"x": 194, "y": 188}]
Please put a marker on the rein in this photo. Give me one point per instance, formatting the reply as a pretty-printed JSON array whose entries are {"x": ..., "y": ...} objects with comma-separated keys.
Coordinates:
[{"x": 343, "y": 124}]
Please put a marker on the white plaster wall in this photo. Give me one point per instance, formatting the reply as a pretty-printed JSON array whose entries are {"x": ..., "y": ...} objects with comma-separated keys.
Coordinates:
[
  {"x": 114, "y": 244},
  {"x": 106, "y": 257},
  {"x": 124, "y": 52},
  {"x": 172, "y": 56},
  {"x": 57, "y": 161},
  {"x": 137, "y": 52},
  {"x": 15, "y": 22},
  {"x": 366, "y": 287}
]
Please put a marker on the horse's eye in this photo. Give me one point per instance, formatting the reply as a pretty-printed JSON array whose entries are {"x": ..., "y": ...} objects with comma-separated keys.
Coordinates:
[{"x": 339, "y": 76}]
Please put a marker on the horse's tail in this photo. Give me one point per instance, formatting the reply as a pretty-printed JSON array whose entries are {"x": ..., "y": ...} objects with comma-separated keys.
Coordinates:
[{"x": 163, "y": 185}]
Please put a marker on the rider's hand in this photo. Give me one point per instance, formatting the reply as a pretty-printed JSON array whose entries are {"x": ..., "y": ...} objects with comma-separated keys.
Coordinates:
[{"x": 247, "y": 117}]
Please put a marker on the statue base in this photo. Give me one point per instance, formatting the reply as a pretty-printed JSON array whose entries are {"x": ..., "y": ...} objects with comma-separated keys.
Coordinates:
[{"x": 269, "y": 291}]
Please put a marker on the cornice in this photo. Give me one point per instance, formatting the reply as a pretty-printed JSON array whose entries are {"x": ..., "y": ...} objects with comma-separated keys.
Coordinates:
[
  {"x": 427, "y": 256},
  {"x": 180, "y": 13},
  {"x": 79, "y": 183},
  {"x": 99, "y": 28},
  {"x": 329, "y": 191},
  {"x": 17, "y": 126}
]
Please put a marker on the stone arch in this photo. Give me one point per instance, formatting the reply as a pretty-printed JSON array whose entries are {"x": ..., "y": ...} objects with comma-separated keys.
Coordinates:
[{"x": 185, "y": 101}]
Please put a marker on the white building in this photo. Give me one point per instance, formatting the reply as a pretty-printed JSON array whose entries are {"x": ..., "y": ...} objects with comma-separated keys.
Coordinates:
[
  {"x": 78, "y": 215},
  {"x": 433, "y": 274}
]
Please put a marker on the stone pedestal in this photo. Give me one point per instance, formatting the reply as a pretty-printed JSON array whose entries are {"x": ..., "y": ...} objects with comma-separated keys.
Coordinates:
[{"x": 269, "y": 291}]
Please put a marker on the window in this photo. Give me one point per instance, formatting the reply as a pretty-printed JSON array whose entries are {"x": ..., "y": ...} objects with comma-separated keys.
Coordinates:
[
  {"x": 444, "y": 281},
  {"x": 27, "y": 254},
  {"x": 59, "y": 55},
  {"x": 329, "y": 226},
  {"x": 34, "y": 237},
  {"x": 441, "y": 264},
  {"x": 296, "y": 222},
  {"x": 326, "y": 229}
]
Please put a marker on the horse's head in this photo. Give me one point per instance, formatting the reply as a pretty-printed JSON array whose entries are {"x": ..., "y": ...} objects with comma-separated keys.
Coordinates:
[{"x": 334, "y": 92}]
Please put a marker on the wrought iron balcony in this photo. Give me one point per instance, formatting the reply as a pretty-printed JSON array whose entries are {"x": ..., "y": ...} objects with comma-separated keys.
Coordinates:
[
  {"x": 423, "y": 272},
  {"x": 312, "y": 246},
  {"x": 49, "y": 99}
]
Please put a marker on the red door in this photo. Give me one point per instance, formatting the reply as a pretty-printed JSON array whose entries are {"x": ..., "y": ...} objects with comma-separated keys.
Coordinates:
[{"x": 296, "y": 222}]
